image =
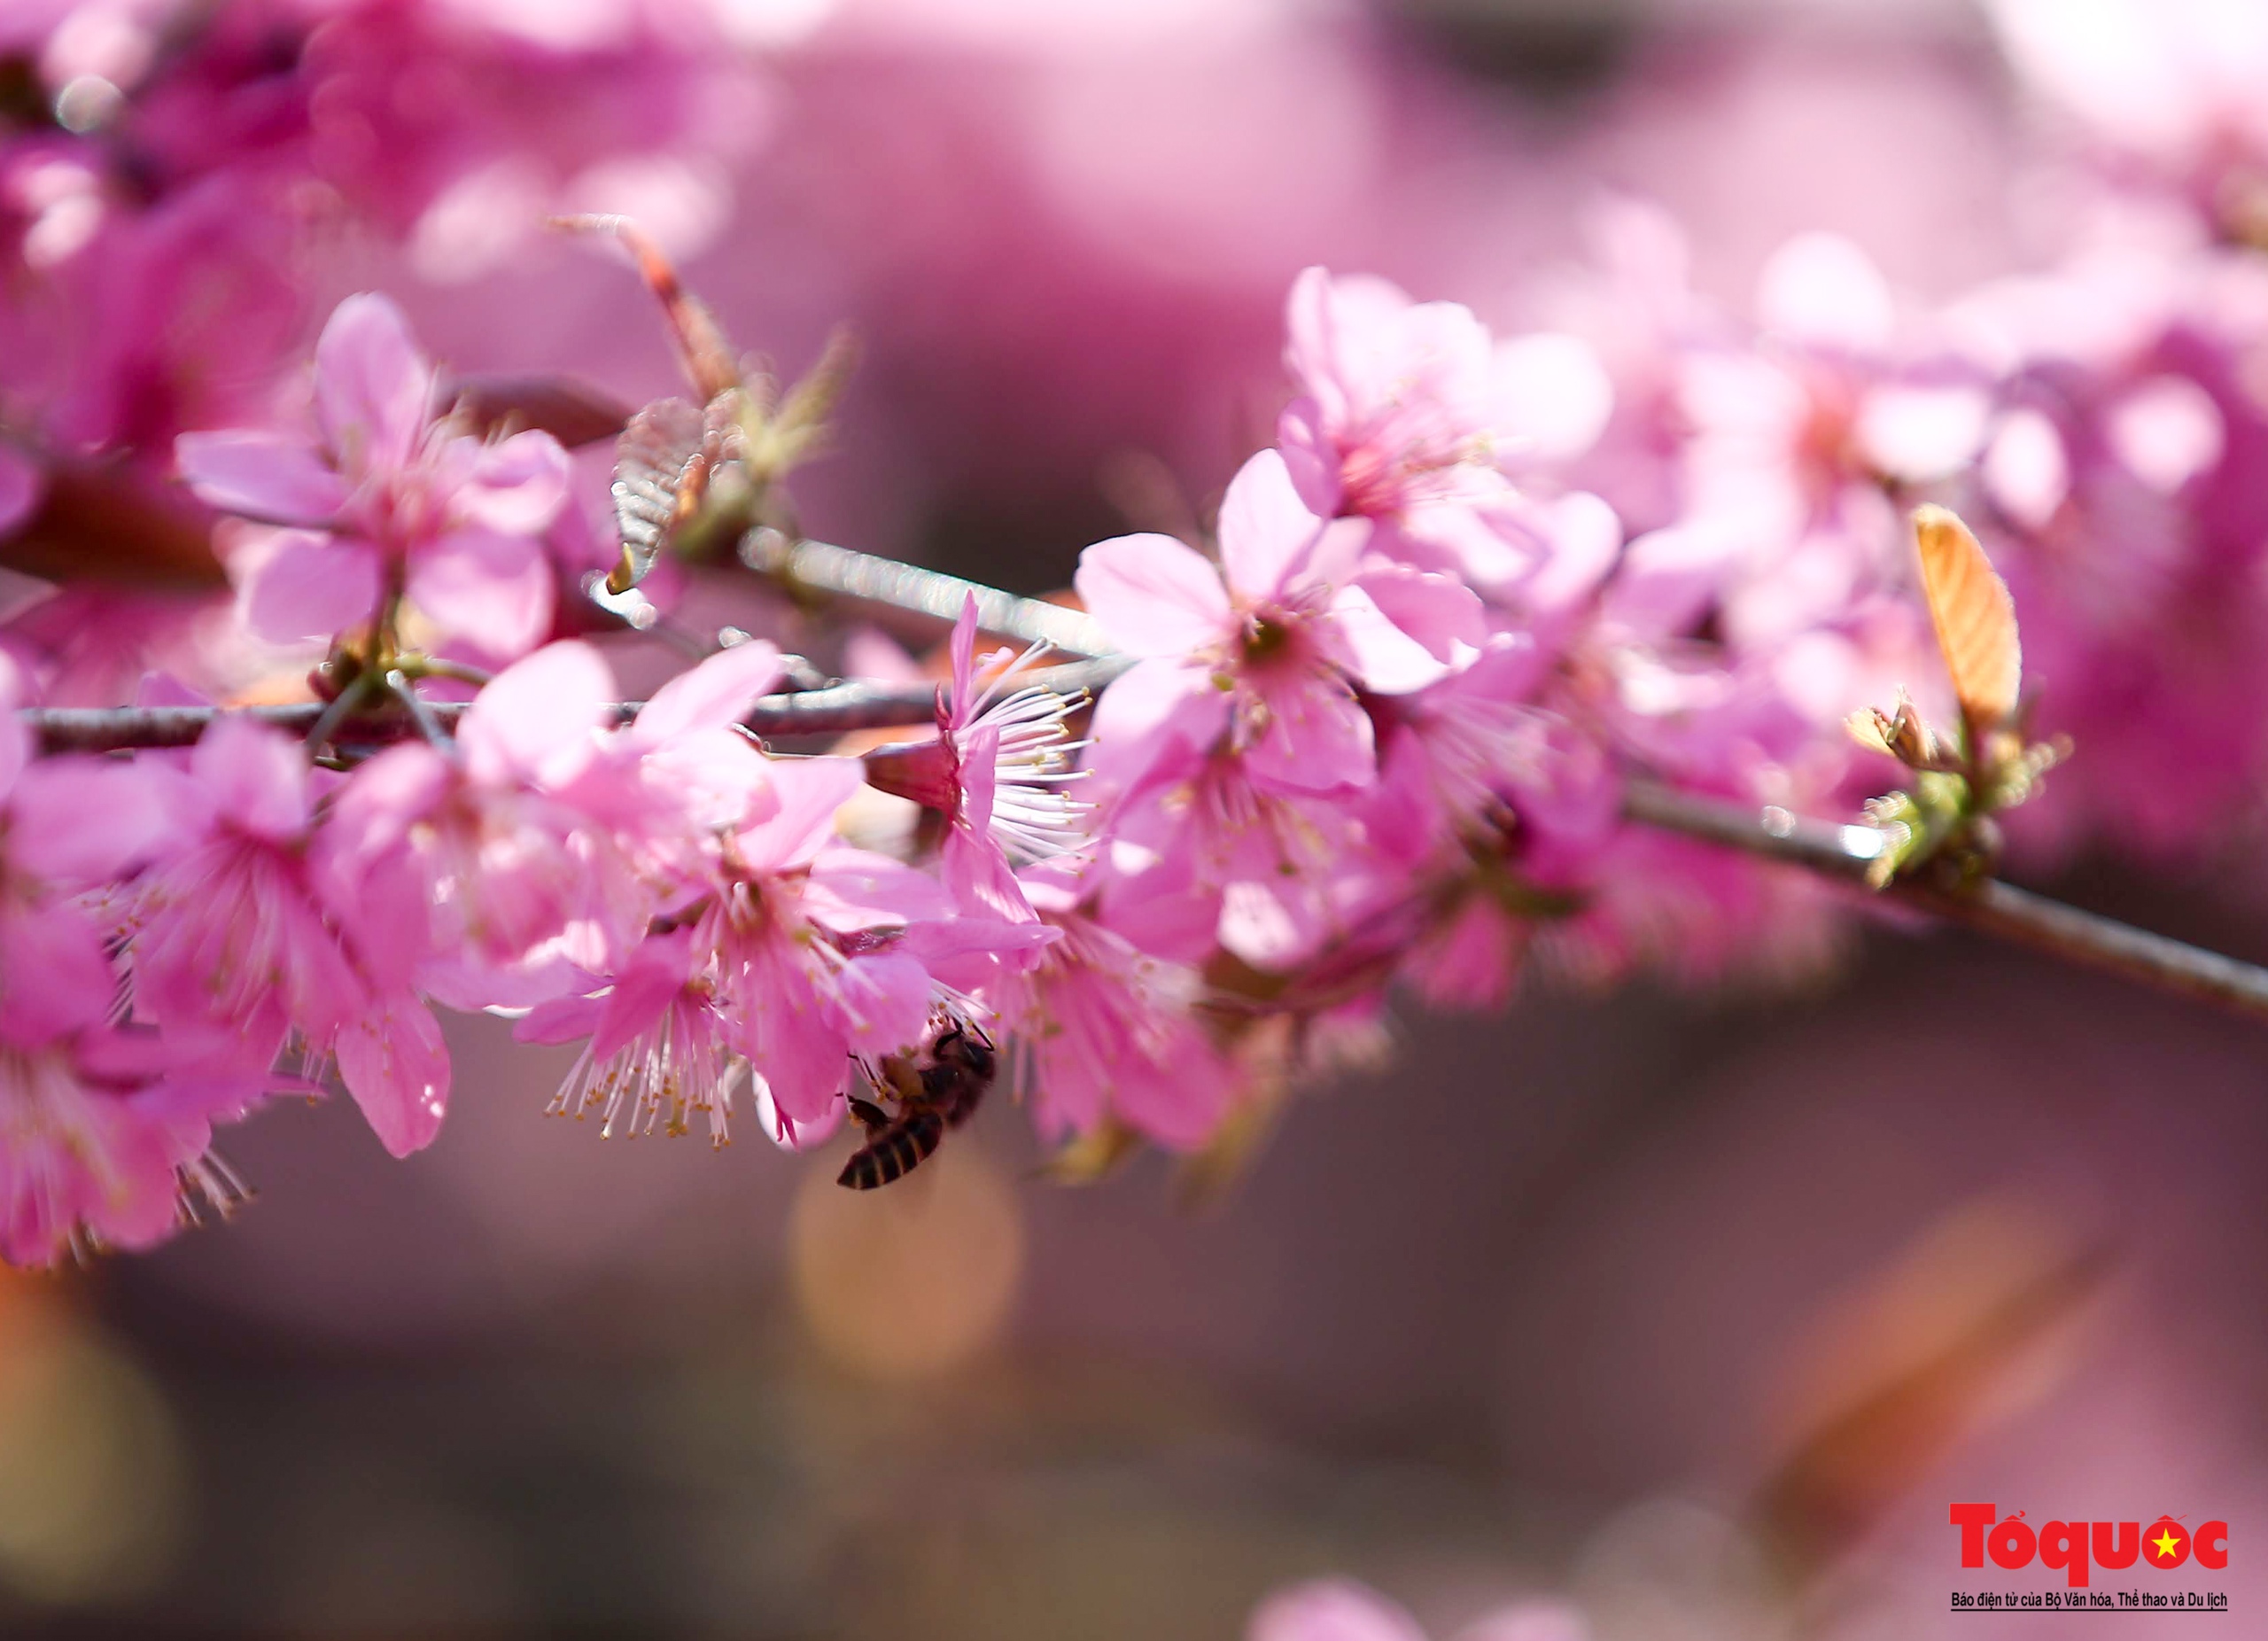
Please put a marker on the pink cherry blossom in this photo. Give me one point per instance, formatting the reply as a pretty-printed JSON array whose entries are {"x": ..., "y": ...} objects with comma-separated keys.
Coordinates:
[
  {"x": 657, "y": 1052},
  {"x": 792, "y": 959},
  {"x": 801, "y": 933},
  {"x": 507, "y": 891},
  {"x": 104, "y": 1132},
  {"x": 105, "y": 1143},
  {"x": 67, "y": 826},
  {"x": 997, "y": 770},
  {"x": 1201, "y": 854},
  {"x": 1268, "y": 649},
  {"x": 234, "y": 954},
  {"x": 683, "y": 775},
  {"x": 387, "y": 498},
  {"x": 1400, "y": 402},
  {"x": 1107, "y": 1032}
]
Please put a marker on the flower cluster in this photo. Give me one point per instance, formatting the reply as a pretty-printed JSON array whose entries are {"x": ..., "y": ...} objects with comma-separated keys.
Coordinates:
[
  {"x": 1378, "y": 726},
  {"x": 2095, "y": 424},
  {"x": 178, "y": 184},
  {"x": 1384, "y": 737},
  {"x": 244, "y": 917}
]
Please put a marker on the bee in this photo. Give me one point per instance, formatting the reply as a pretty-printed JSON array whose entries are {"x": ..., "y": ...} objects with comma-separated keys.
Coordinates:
[{"x": 941, "y": 1093}]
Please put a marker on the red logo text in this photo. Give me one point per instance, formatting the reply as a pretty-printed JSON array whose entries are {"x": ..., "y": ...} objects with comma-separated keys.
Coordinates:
[{"x": 2071, "y": 1547}]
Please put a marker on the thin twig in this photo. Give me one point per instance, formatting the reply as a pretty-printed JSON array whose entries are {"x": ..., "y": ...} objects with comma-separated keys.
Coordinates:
[
  {"x": 421, "y": 711},
  {"x": 1990, "y": 905},
  {"x": 1841, "y": 851},
  {"x": 812, "y": 711},
  {"x": 846, "y": 573},
  {"x": 320, "y": 729},
  {"x": 440, "y": 666}
]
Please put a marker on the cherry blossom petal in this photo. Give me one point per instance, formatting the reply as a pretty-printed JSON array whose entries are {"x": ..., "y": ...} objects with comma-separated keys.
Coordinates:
[
  {"x": 373, "y": 387},
  {"x": 643, "y": 990},
  {"x": 1166, "y": 912},
  {"x": 970, "y": 953},
  {"x": 134, "y": 1204},
  {"x": 395, "y": 1064},
  {"x": 1152, "y": 594},
  {"x": 80, "y": 822},
  {"x": 1339, "y": 334},
  {"x": 1318, "y": 738},
  {"x": 1922, "y": 434},
  {"x": 787, "y": 1132},
  {"x": 715, "y": 695},
  {"x": 517, "y": 486},
  {"x": 561, "y": 1020},
  {"x": 1268, "y": 921},
  {"x": 1470, "y": 961},
  {"x": 1823, "y": 289},
  {"x": 2026, "y": 470},
  {"x": 255, "y": 777},
  {"x": 963, "y": 651},
  {"x": 2166, "y": 432},
  {"x": 850, "y": 890},
  {"x": 1309, "y": 456},
  {"x": 275, "y": 478},
  {"x": 300, "y": 586},
  {"x": 1385, "y": 657},
  {"x": 714, "y": 778},
  {"x": 1266, "y": 532},
  {"x": 881, "y": 1002},
  {"x": 971, "y": 861},
  {"x": 809, "y": 790},
  {"x": 1158, "y": 708},
  {"x": 54, "y": 978},
  {"x": 796, "y": 1047},
  {"x": 384, "y": 798},
  {"x": 1555, "y": 396},
  {"x": 492, "y": 590},
  {"x": 1311, "y": 341},
  {"x": 1667, "y": 580},
  {"x": 1581, "y": 536},
  {"x": 1438, "y": 611},
  {"x": 535, "y": 721}
]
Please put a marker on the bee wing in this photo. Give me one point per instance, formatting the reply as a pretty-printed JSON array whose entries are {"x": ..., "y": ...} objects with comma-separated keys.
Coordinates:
[
  {"x": 660, "y": 458},
  {"x": 1974, "y": 617}
]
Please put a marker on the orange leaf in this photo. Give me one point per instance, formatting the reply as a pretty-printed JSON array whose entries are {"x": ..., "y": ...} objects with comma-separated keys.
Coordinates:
[{"x": 1974, "y": 617}]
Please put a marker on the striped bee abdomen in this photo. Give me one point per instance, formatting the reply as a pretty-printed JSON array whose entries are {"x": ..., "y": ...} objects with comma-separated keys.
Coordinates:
[{"x": 894, "y": 1152}]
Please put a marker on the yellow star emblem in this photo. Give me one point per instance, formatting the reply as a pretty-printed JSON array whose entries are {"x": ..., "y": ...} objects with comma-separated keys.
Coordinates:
[{"x": 2167, "y": 1543}]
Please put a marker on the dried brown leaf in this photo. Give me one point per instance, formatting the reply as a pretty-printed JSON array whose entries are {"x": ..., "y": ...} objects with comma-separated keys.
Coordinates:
[
  {"x": 658, "y": 461},
  {"x": 1974, "y": 617}
]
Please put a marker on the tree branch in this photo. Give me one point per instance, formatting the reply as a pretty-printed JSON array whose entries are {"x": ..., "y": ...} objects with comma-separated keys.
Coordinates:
[
  {"x": 832, "y": 710},
  {"x": 842, "y": 573},
  {"x": 1842, "y": 851},
  {"x": 1991, "y": 907}
]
